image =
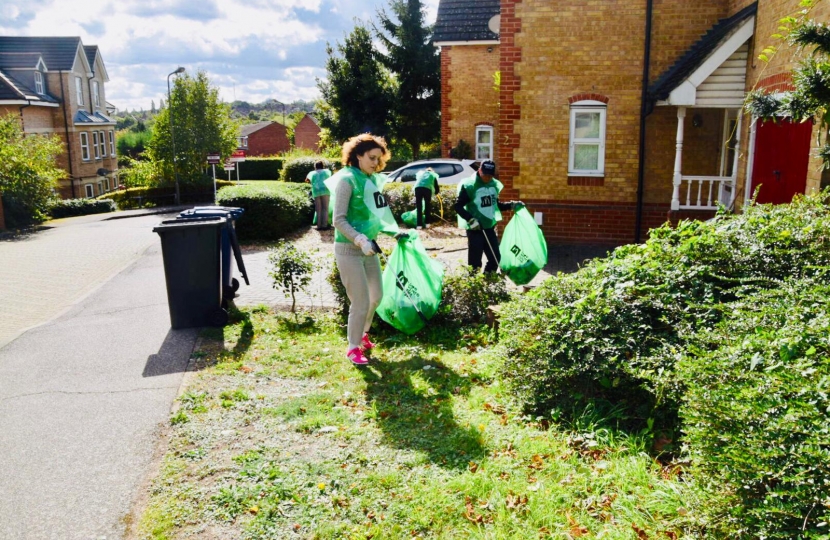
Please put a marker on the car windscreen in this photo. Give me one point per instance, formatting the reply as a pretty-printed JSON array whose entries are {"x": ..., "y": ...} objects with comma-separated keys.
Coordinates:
[{"x": 408, "y": 174}]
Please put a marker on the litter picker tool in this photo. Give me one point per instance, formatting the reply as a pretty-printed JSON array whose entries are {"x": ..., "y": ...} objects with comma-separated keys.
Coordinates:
[
  {"x": 492, "y": 251},
  {"x": 402, "y": 286}
]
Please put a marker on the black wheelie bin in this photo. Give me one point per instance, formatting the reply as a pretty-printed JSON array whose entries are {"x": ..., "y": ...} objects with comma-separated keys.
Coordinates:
[
  {"x": 230, "y": 245},
  {"x": 191, "y": 249}
]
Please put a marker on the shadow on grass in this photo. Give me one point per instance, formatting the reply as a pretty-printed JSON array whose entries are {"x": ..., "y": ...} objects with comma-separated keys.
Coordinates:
[
  {"x": 206, "y": 358},
  {"x": 418, "y": 415}
]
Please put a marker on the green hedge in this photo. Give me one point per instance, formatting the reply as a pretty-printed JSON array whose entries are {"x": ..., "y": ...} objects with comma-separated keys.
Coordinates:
[
  {"x": 401, "y": 199},
  {"x": 272, "y": 210},
  {"x": 296, "y": 169},
  {"x": 757, "y": 415},
  {"x": 81, "y": 207},
  {"x": 149, "y": 197},
  {"x": 253, "y": 169},
  {"x": 616, "y": 327}
]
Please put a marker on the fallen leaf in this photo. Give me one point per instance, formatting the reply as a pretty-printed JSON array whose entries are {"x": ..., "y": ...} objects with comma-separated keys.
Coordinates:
[
  {"x": 473, "y": 466},
  {"x": 537, "y": 462},
  {"x": 641, "y": 534},
  {"x": 246, "y": 369}
]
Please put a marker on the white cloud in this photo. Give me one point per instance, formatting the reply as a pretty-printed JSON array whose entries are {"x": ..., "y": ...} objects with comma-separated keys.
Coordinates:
[{"x": 252, "y": 50}]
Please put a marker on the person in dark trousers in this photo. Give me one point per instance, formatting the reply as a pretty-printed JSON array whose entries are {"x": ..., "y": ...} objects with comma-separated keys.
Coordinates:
[
  {"x": 426, "y": 185},
  {"x": 478, "y": 204},
  {"x": 320, "y": 192}
]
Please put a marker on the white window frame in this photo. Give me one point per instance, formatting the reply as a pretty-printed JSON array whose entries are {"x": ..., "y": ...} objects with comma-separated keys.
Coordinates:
[
  {"x": 106, "y": 184},
  {"x": 79, "y": 91},
  {"x": 489, "y": 147},
  {"x": 102, "y": 142},
  {"x": 95, "y": 144},
  {"x": 112, "y": 143},
  {"x": 90, "y": 190},
  {"x": 587, "y": 106},
  {"x": 39, "y": 82},
  {"x": 84, "y": 146},
  {"x": 96, "y": 96}
]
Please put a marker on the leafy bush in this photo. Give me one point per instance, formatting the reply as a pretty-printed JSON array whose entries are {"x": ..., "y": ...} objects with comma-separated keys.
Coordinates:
[
  {"x": 401, "y": 198},
  {"x": 272, "y": 210},
  {"x": 757, "y": 414},
  {"x": 132, "y": 144},
  {"x": 468, "y": 293},
  {"x": 254, "y": 169},
  {"x": 81, "y": 207},
  {"x": 290, "y": 269},
  {"x": 616, "y": 328},
  {"x": 296, "y": 169},
  {"x": 140, "y": 173}
]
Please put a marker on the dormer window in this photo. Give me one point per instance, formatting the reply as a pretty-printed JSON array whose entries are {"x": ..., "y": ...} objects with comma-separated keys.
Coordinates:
[
  {"x": 96, "y": 96},
  {"x": 39, "y": 82}
]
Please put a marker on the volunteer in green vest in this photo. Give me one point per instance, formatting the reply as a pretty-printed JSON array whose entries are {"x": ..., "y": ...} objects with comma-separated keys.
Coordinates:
[
  {"x": 360, "y": 213},
  {"x": 426, "y": 185},
  {"x": 478, "y": 204},
  {"x": 321, "y": 194}
]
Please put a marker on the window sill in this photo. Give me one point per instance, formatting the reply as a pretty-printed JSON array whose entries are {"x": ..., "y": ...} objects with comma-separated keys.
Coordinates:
[{"x": 586, "y": 180}]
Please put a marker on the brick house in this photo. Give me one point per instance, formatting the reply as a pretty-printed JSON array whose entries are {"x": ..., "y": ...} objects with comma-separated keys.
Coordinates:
[
  {"x": 582, "y": 140},
  {"x": 56, "y": 86},
  {"x": 307, "y": 133},
  {"x": 264, "y": 139}
]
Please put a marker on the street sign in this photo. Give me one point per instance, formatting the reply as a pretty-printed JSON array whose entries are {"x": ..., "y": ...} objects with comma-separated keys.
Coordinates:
[
  {"x": 238, "y": 155},
  {"x": 214, "y": 159},
  {"x": 229, "y": 165}
]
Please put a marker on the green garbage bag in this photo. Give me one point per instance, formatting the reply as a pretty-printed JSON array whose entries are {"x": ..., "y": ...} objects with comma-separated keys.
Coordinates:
[
  {"x": 411, "y": 218},
  {"x": 412, "y": 282},
  {"x": 523, "y": 248}
]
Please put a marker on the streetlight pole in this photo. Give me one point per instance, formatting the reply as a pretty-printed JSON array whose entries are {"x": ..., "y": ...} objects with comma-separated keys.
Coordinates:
[{"x": 172, "y": 133}]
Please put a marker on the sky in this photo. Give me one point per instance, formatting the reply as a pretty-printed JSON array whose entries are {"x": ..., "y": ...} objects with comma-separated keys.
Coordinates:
[{"x": 251, "y": 50}]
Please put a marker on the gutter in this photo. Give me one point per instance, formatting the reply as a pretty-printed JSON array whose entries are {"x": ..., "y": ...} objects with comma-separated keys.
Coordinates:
[
  {"x": 23, "y": 120},
  {"x": 645, "y": 109},
  {"x": 68, "y": 140}
]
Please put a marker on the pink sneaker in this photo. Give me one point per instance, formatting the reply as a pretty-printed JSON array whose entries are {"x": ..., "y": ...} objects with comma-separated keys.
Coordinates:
[
  {"x": 365, "y": 344},
  {"x": 356, "y": 356}
]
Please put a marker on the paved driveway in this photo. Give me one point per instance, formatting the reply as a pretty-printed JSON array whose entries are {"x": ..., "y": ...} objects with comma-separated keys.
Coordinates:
[{"x": 85, "y": 390}]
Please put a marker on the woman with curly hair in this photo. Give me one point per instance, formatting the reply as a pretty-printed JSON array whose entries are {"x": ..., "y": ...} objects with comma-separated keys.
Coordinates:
[{"x": 360, "y": 213}]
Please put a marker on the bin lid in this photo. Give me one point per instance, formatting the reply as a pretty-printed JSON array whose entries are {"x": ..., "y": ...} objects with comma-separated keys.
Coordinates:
[
  {"x": 194, "y": 221},
  {"x": 225, "y": 211}
]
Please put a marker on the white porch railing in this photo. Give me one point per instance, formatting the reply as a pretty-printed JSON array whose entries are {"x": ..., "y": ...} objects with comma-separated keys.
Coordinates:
[{"x": 705, "y": 192}]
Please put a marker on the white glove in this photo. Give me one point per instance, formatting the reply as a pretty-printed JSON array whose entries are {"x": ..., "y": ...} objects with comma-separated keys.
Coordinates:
[
  {"x": 365, "y": 244},
  {"x": 474, "y": 224}
]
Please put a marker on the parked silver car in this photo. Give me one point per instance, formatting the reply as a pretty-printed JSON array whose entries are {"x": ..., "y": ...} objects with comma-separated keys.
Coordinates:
[{"x": 450, "y": 171}]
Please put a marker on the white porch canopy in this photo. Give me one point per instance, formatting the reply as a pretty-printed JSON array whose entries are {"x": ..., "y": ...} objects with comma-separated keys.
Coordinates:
[{"x": 719, "y": 82}]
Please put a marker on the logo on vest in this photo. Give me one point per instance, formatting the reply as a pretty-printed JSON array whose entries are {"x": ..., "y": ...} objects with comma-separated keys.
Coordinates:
[
  {"x": 487, "y": 201},
  {"x": 380, "y": 200}
]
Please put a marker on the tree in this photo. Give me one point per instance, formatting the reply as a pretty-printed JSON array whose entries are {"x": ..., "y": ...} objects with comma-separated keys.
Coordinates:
[
  {"x": 201, "y": 123},
  {"x": 811, "y": 98},
  {"x": 28, "y": 171},
  {"x": 152, "y": 106},
  {"x": 357, "y": 96},
  {"x": 291, "y": 270},
  {"x": 417, "y": 66}
]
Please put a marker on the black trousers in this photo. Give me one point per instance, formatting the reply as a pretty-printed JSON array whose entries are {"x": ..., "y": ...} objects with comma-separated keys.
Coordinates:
[
  {"x": 423, "y": 194},
  {"x": 477, "y": 244}
]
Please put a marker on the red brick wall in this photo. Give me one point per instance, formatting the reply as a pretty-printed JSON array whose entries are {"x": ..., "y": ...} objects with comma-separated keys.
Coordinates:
[
  {"x": 468, "y": 98},
  {"x": 307, "y": 134},
  {"x": 268, "y": 141}
]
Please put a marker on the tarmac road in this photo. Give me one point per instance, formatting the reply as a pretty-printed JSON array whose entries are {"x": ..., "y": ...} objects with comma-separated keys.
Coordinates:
[{"x": 89, "y": 370}]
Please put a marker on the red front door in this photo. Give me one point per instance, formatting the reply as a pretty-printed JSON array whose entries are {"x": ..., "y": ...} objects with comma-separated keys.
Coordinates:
[{"x": 782, "y": 153}]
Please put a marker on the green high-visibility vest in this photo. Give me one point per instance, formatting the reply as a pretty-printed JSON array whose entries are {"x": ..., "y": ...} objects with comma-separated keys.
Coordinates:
[
  {"x": 369, "y": 211},
  {"x": 484, "y": 199}
]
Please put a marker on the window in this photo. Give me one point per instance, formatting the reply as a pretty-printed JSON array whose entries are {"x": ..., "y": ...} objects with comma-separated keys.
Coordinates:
[
  {"x": 102, "y": 142},
  {"x": 85, "y": 146},
  {"x": 112, "y": 144},
  {"x": 38, "y": 82},
  {"x": 106, "y": 184},
  {"x": 243, "y": 142},
  {"x": 79, "y": 91},
  {"x": 96, "y": 98},
  {"x": 484, "y": 142},
  {"x": 90, "y": 190},
  {"x": 587, "y": 141},
  {"x": 95, "y": 144},
  {"x": 445, "y": 169}
]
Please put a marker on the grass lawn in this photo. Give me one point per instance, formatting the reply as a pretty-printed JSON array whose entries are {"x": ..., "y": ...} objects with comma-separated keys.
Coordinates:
[{"x": 277, "y": 435}]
